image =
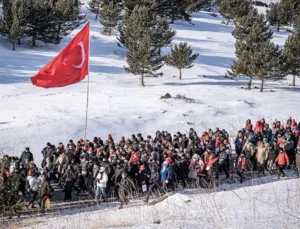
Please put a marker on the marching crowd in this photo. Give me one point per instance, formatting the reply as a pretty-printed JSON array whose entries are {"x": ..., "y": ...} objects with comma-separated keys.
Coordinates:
[{"x": 154, "y": 165}]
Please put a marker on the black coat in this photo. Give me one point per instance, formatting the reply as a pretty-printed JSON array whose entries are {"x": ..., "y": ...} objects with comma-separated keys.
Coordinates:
[{"x": 26, "y": 157}]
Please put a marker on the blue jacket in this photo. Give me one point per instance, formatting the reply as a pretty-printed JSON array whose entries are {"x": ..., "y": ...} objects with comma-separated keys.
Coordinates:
[{"x": 164, "y": 173}]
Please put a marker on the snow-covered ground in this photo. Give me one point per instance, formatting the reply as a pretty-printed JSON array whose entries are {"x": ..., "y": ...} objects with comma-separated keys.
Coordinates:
[
  {"x": 273, "y": 205},
  {"x": 32, "y": 116}
]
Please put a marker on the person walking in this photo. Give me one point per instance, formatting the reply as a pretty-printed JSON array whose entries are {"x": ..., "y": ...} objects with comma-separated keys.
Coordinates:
[
  {"x": 101, "y": 182},
  {"x": 282, "y": 160}
]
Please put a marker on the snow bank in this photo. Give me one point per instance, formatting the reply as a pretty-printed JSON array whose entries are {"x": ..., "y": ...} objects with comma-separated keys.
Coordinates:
[{"x": 273, "y": 205}]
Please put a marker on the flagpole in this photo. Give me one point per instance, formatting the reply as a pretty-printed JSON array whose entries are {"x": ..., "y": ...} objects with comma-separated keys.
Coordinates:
[{"x": 88, "y": 90}]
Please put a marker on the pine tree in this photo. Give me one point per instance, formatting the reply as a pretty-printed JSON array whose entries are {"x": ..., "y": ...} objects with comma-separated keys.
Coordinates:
[
  {"x": 9, "y": 194},
  {"x": 49, "y": 21},
  {"x": 280, "y": 14},
  {"x": 109, "y": 17},
  {"x": 286, "y": 12},
  {"x": 296, "y": 21},
  {"x": 273, "y": 15},
  {"x": 129, "y": 5},
  {"x": 253, "y": 34},
  {"x": 173, "y": 10},
  {"x": 291, "y": 56},
  {"x": 197, "y": 5},
  {"x": 95, "y": 6},
  {"x": 134, "y": 27},
  {"x": 266, "y": 62},
  {"x": 181, "y": 57},
  {"x": 142, "y": 28},
  {"x": 143, "y": 60},
  {"x": 234, "y": 9},
  {"x": 244, "y": 48},
  {"x": 67, "y": 18}
]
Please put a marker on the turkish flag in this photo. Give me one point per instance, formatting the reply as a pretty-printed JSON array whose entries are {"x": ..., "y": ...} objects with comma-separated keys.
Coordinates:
[
  {"x": 70, "y": 66},
  {"x": 134, "y": 157}
]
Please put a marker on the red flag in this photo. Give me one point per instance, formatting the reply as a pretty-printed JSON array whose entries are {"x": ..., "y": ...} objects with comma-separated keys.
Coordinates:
[
  {"x": 134, "y": 157},
  {"x": 70, "y": 66}
]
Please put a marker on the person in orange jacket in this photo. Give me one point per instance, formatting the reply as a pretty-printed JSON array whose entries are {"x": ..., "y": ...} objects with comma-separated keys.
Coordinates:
[{"x": 282, "y": 160}]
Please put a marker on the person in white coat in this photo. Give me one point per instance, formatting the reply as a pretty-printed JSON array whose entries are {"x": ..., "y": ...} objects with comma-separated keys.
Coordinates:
[
  {"x": 101, "y": 182},
  {"x": 32, "y": 187}
]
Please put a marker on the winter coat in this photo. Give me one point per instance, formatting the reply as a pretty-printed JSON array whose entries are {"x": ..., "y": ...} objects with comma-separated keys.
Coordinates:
[
  {"x": 45, "y": 189},
  {"x": 33, "y": 183},
  {"x": 262, "y": 153},
  {"x": 69, "y": 180},
  {"x": 154, "y": 173},
  {"x": 241, "y": 163},
  {"x": 193, "y": 169},
  {"x": 108, "y": 168},
  {"x": 118, "y": 174},
  {"x": 239, "y": 142},
  {"x": 248, "y": 127},
  {"x": 298, "y": 159},
  {"x": 222, "y": 157},
  {"x": 84, "y": 166},
  {"x": 95, "y": 170},
  {"x": 164, "y": 173},
  {"x": 282, "y": 159},
  {"x": 26, "y": 157},
  {"x": 102, "y": 179},
  {"x": 182, "y": 168}
]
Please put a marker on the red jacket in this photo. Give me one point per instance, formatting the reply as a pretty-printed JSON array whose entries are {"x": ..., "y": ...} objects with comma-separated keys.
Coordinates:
[
  {"x": 282, "y": 159},
  {"x": 248, "y": 127}
]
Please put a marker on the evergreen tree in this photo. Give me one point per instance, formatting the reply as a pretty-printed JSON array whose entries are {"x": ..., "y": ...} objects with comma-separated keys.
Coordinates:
[
  {"x": 266, "y": 62},
  {"x": 9, "y": 194},
  {"x": 49, "y": 21},
  {"x": 129, "y": 5},
  {"x": 110, "y": 16},
  {"x": 143, "y": 60},
  {"x": 197, "y": 5},
  {"x": 181, "y": 57},
  {"x": 296, "y": 21},
  {"x": 234, "y": 9},
  {"x": 291, "y": 56},
  {"x": 273, "y": 15},
  {"x": 134, "y": 27},
  {"x": 139, "y": 28},
  {"x": 95, "y": 6},
  {"x": 280, "y": 14},
  {"x": 253, "y": 34},
  {"x": 286, "y": 12},
  {"x": 67, "y": 17},
  {"x": 173, "y": 9},
  {"x": 12, "y": 21}
]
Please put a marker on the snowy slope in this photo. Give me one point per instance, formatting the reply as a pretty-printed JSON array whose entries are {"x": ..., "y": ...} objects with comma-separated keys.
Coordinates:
[
  {"x": 32, "y": 116},
  {"x": 274, "y": 205}
]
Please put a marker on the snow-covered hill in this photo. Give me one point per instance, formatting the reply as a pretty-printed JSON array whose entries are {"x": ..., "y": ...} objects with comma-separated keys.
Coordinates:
[
  {"x": 32, "y": 116},
  {"x": 274, "y": 205}
]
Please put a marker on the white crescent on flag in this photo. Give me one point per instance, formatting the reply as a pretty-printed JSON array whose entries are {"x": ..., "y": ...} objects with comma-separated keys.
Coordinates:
[{"x": 83, "y": 56}]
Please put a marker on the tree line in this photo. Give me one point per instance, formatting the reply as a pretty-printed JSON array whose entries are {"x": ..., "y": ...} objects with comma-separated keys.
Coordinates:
[
  {"x": 257, "y": 56},
  {"x": 48, "y": 21},
  {"x": 144, "y": 29}
]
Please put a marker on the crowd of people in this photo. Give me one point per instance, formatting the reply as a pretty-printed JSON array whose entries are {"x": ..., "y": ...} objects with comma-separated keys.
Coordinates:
[{"x": 154, "y": 165}]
